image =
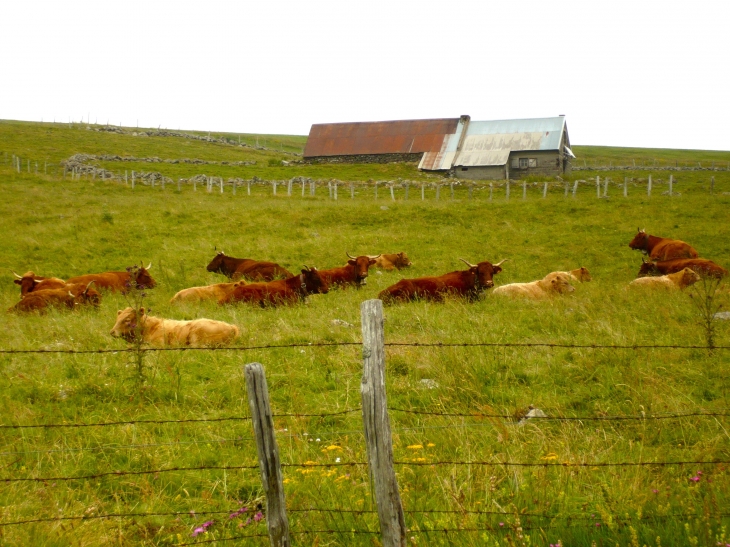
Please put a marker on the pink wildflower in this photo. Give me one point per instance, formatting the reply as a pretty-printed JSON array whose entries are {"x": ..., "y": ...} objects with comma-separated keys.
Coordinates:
[
  {"x": 501, "y": 523},
  {"x": 258, "y": 516}
]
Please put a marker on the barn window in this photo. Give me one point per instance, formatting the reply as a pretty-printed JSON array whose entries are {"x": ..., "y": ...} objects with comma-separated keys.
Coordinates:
[
  {"x": 523, "y": 163},
  {"x": 464, "y": 168},
  {"x": 532, "y": 162},
  {"x": 515, "y": 163}
]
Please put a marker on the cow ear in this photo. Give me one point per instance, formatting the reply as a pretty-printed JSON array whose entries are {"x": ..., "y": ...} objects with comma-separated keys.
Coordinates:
[
  {"x": 141, "y": 310},
  {"x": 119, "y": 312},
  {"x": 351, "y": 262},
  {"x": 371, "y": 261},
  {"x": 16, "y": 281}
]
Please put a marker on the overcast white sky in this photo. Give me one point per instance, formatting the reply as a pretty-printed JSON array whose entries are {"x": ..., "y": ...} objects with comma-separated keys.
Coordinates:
[{"x": 625, "y": 73}]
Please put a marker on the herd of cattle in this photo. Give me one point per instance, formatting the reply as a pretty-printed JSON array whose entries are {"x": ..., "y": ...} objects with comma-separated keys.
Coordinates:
[{"x": 672, "y": 264}]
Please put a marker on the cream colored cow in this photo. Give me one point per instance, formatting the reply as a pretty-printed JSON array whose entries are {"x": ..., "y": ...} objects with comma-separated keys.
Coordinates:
[
  {"x": 168, "y": 332},
  {"x": 552, "y": 283},
  {"x": 198, "y": 294},
  {"x": 675, "y": 281}
]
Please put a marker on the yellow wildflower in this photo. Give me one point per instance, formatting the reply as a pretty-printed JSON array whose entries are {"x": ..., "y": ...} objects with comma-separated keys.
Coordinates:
[{"x": 415, "y": 447}]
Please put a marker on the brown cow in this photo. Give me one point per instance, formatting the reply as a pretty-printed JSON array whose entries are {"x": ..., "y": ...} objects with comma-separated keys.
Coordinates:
[
  {"x": 466, "y": 283},
  {"x": 119, "y": 281},
  {"x": 256, "y": 270},
  {"x": 281, "y": 291},
  {"x": 393, "y": 261},
  {"x": 355, "y": 272},
  {"x": 661, "y": 248},
  {"x": 30, "y": 282},
  {"x": 162, "y": 332},
  {"x": 199, "y": 294},
  {"x": 679, "y": 280},
  {"x": 553, "y": 283},
  {"x": 704, "y": 267},
  {"x": 579, "y": 274},
  {"x": 70, "y": 296}
]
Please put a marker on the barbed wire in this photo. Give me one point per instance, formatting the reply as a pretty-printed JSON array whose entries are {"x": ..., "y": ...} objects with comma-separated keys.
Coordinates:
[
  {"x": 566, "y": 464},
  {"x": 561, "y": 418},
  {"x": 191, "y": 420},
  {"x": 387, "y": 344}
]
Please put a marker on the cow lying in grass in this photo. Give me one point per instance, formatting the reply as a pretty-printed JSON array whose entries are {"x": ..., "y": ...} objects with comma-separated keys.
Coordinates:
[
  {"x": 199, "y": 294},
  {"x": 71, "y": 296},
  {"x": 394, "y": 261},
  {"x": 580, "y": 274},
  {"x": 465, "y": 283},
  {"x": 553, "y": 283},
  {"x": 704, "y": 267},
  {"x": 355, "y": 272},
  {"x": 168, "y": 332},
  {"x": 675, "y": 281},
  {"x": 30, "y": 282},
  {"x": 284, "y": 291},
  {"x": 662, "y": 248},
  {"x": 119, "y": 281}
]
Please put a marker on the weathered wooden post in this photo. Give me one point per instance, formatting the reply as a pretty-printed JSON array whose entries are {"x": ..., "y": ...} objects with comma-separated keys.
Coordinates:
[
  {"x": 220, "y": 179},
  {"x": 304, "y": 185},
  {"x": 235, "y": 183},
  {"x": 605, "y": 187},
  {"x": 507, "y": 190},
  {"x": 126, "y": 181},
  {"x": 329, "y": 187},
  {"x": 648, "y": 187},
  {"x": 153, "y": 182},
  {"x": 451, "y": 185},
  {"x": 335, "y": 191},
  {"x": 471, "y": 190},
  {"x": 248, "y": 187},
  {"x": 598, "y": 186},
  {"x": 712, "y": 184},
  {"x": 377, "y": 426},
  {"x": 524, "y": 190},
  {"x": 163, "y": 182},
  {"x": 438, "y": 192},
  {"x": 575, "y": 187},
  {"x": 288, "y": 188},
  {"x": 567, "y": 186},
  {"x": 671, "y": 182},
  {"x": 195, "y": 185},
  {"x": 392, "y": 193},
  {"x": 268, "y": 451},
  {"x": 626, "y": 186},
  {"x": 491, "y": 187},
  {"x": 273, "y": 183},
  {"x": 544, "y": 191},
  {"x": 133, "y": 174},
  {"x": 376, "y": 189},
  {"x": 352, "y": 191},
  {"x": 178, "y": 186},
  {"x": 423, "y": 192},
  {"x": 406, "y": 196}
]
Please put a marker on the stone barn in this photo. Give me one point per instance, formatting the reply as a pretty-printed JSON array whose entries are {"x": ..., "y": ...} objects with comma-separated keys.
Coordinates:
[{"x": 484, "y": 150}]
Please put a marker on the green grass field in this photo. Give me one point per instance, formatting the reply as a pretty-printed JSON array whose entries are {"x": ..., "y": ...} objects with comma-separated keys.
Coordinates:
[{"x": 64, "y": 228}]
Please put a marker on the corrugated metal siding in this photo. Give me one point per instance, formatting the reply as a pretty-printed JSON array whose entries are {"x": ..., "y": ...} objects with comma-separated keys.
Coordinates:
[
  {"x": 394, "y": 137},
  {"x": 441, "y": 155}
]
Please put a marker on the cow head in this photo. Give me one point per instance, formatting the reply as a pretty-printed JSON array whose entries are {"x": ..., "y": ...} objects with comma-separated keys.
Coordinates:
[
  {"x": 582, "y": 274},
  {"x": 27, "y": 282},
  {"x": 484, "y": 272},
  {"x": 689, "y": 277},
  {"x": 361, "y": 265},
  {"x": 128, "y": 324},
  {"x": 312, "y": 282},
  {"x": 559, "y": 283},
  {"x": 85, "y": 295},
  {"x": 143, "y": 279},
  {"x": 402, "y": 261},
  {"x": 647, "y": 269},
  {"x": 217, "y": 263},
  {"x": 640, "y": 240}
]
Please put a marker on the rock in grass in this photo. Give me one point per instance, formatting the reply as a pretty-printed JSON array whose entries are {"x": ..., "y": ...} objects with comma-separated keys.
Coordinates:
[
  {"x": 722, "y": 315},
  {"x": 532, "y": 413},
  {"x": 429, "y": 384}
]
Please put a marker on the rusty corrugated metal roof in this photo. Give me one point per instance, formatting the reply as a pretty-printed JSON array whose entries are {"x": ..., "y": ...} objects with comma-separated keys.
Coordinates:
[{"x": 392, "y": 137}]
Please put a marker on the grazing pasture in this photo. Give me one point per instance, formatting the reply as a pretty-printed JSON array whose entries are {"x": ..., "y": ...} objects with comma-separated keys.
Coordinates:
[{"x": 65, "y": 229}]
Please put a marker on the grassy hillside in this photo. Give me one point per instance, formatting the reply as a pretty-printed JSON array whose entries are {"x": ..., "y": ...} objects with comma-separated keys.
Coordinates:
[{"x": 65, "y": 228}]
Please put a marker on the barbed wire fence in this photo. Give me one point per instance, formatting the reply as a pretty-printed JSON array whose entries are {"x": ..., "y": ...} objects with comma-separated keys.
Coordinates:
[{"x": 388, "y": 512}]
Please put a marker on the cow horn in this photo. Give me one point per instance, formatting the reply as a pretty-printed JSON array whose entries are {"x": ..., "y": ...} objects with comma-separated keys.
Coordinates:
[
  {"x": 375, "y": 257},
  {"x": 501, "y": 262},
  {"x": 306, "y": 267},
  {"x": 89, "y": 284},
  {"x": 16, "y": 275},
  {"x": 465, "y": 262},
  {"x": 71, "y": 294},
  {"x": 148, "y": 266},
  {"x": 349, "y": 255}
]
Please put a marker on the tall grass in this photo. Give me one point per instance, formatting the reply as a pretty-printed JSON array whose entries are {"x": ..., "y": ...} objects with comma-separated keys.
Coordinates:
[{"x": 68, "y": 228}]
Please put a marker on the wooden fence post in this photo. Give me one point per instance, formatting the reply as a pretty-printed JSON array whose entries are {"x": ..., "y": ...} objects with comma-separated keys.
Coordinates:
[
  {"x": 438, "y": 192},
  {"x": 451, "y": 184},
  {"x": 392, "y": 193},
  {"x": 235, "y": 183},
  {"x": 423, "y": 192},
  {"x": 598, "y": 186},
  {"x": 268, "y": 451},
  {"x": 491, "y": 187},
  {"x": 329, "y": 187},
  {"x": 288, "y": 188},
  {"x": 133, "y": 173},
  {"x": 712, "y": 184},
  {"x": 248, "y": 187},
  {"x": 352, "y": 191},
  {"x": 274, "y": 186},
  {"x": 544, "y": 191},
  {"x": 126, "y": 181},
  {"x": 471, "y": 190},
  {"x": 626, "y": 187},
  {"x": 335, "y": 190},
  {"x": 195, "y": 185},
  {"x": 507, "y": 191},
  {"x": 406, "y": 198},
  {"x": 605, "y": 187},
  {"x": 671, "y": 182},
  {"x": 312, "y": 187},
  {"x": 524, "y": 190},
  {"x": 376, "y": 190},
  {"x": 220, "y": 180},
  {"x": 575, "y": 187},
  {"x": 178, "y": 186},
  {"x": 567, "y": 185},
  {"x": 648, "y": 187},
  {"x": 377, "y": 426}
]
